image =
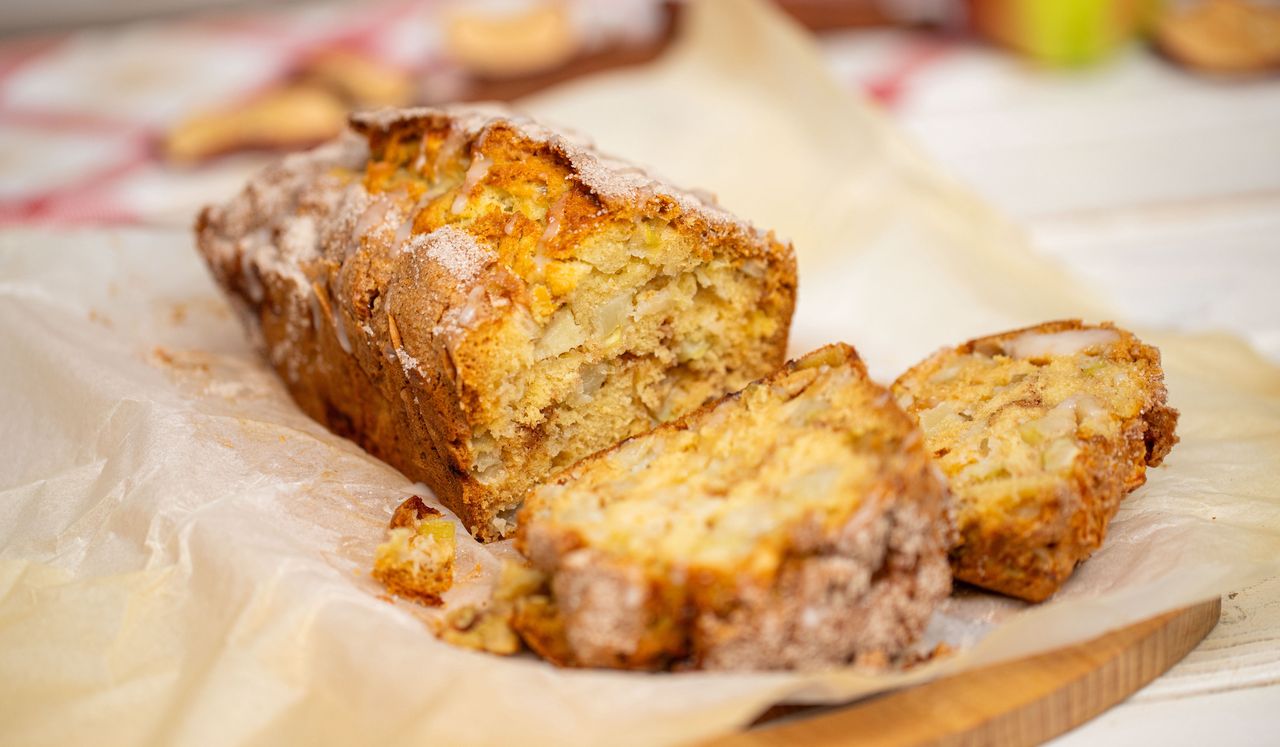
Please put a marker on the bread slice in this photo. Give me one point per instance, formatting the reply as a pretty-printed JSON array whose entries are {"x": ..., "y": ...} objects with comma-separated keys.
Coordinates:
[
  {"x": 795, "y": 524},
  {"x": 481, "y": 301},
  {"x": 1041, "y": 432}
]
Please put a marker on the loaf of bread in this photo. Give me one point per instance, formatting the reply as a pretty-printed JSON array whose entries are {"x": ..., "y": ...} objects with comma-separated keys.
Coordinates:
[
  {"x": 795, "y": 524},
  {"x": 480, "y": 301},
  {"x": 1041, "y": 432}
]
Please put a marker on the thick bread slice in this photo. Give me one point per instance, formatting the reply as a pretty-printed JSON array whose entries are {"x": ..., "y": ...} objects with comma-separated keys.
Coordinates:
[
  {"x": 1041, "y": 432},
  {"x": 795, "y": 524},
  {"x": 480, "y": 301}
]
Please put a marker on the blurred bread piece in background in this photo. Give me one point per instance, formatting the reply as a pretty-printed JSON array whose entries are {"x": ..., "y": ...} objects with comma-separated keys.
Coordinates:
[
  {"x": 1223, "y": 36},
  {"x": 531, "y": 40},
  {"x": 359, "y": 79},
  {"x": 308, "y": 108},
  {"x": 284, "y": 118}
]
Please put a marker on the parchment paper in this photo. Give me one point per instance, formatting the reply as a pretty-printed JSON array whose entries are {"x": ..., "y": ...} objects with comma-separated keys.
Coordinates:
[{"x": 184, "y": 555}]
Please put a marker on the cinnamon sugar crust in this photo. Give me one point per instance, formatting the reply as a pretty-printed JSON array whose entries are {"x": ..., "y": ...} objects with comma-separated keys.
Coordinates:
[{"x": 794, "y": 525}]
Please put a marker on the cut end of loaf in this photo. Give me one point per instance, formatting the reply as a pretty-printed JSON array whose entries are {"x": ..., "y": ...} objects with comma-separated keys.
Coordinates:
[{"x": 636, "y": 302}]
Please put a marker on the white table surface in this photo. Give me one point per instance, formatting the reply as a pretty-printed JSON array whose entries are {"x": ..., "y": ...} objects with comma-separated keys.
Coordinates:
[{"x": 1162, "y": 190}]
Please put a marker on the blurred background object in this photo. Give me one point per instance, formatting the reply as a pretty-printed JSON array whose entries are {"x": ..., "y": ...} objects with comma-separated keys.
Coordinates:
[
  {"x": 140, "y": 120},
  {"x": 507, "y": 43},
  {"x": 308, "y": 107},
  {"x": 19, "y": 17},
  {"x": 1063, "y": 32},
  {"x": 504, "y": 49},
  {"x": 485, "y": 50},
  {"x": 285, "y": 118},
  {"x": 1223, "y": 36}
]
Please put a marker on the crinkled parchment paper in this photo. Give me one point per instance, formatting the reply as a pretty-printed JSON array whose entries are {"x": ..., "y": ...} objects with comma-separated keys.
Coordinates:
[{"x": 184, "y": 555}]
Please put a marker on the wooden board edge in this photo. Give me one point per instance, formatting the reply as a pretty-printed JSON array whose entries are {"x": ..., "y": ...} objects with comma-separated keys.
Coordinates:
[{"x": 1022, "y": 702}]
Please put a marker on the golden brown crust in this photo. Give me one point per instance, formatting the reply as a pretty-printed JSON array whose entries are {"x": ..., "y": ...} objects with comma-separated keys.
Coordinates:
[
  {"x": 403, "y": 583},
  {"x": 854, "y": 583},
  {"x": 1030, "y": 551},
  {"x": 396, "y": 301}
]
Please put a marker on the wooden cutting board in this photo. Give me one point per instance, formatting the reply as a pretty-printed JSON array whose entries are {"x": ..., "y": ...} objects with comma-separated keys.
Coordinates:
[{"x": 1022, "y": 702}]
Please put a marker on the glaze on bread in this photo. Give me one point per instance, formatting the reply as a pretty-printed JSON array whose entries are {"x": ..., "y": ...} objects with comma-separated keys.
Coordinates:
[
  {"x": 480, "y": 301},
  {"x": 1041, "y": 432},
  {"x": 795, "y": 524}
]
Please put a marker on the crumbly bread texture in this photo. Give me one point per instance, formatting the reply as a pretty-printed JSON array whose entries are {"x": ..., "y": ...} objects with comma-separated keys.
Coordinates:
[
  {"x": 490, "y": 628},
  {"x": 480, "y": 301},
  {"x": 416, "y": 561},
  {"x": 1041, "y": 432},
  {"x": 795, "y": 524}
]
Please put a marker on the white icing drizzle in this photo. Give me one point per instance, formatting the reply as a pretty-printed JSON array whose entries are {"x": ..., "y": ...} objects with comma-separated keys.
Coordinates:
[
  {"x": 421, "y": 161},
  {"x": 475, "y": 173},
  {"x": 554, "y": 217},
  {"x": 373, "y": 218},
  {"x": 340, "y": 328},
  {"x": 470, "y": 311},
  {"x": 1065, "y": 343},
  {"x": 317, "y": 313},
  {"x": 249, "y": 272},
  {"x": 405, "y": 229}
]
